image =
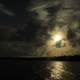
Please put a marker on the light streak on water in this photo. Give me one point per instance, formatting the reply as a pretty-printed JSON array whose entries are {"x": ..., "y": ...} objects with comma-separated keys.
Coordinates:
[
  {"x": 57, "y": 70},
  {"x": 60, "y": 71}
]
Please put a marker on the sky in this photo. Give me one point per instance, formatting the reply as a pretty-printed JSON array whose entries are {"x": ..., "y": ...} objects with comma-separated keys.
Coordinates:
[
  {"x": 14, "y": 10},
  {"x": 37, "y": 21},
  {"x": 7, "y": 12}
]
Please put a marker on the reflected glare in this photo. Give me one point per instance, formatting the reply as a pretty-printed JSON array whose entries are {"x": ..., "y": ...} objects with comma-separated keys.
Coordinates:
[
  {"x": 57, "y": 70},
  {"x": 60, "y": 70}
]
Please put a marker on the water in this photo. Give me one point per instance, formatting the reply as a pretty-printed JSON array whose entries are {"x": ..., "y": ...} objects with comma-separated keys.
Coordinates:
[
  {"x": 52, "y": 70},
  {"x": 61, "y": 71}
]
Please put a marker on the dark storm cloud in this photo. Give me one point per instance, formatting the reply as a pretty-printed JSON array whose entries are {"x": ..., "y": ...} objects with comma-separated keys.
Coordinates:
[
  {"x": 45, "y": 9},
  {"x": 46, "y": 5}
]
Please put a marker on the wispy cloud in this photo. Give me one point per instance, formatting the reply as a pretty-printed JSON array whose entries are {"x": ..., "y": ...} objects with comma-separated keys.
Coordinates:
[{"x": 5, "y": 10}]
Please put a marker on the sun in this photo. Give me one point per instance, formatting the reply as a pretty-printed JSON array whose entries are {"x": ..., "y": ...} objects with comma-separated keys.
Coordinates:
[{"x": 57, "y": 37}]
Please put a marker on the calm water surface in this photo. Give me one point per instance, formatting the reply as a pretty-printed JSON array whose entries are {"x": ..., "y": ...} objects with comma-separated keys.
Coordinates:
[
  {"x": 48, "y": 70},
  {"x": 53, "y": 70},
  {"x": 64, "y": 70}
]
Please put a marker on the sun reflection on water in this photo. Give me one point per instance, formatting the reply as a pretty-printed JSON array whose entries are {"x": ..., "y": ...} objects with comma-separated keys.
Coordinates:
[
  {"x": 60, "y": 71},
  {"x": 57, "y": 70}
]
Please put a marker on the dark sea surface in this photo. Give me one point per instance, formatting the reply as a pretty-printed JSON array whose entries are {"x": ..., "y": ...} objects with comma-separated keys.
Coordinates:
[
  {"x": 39, "y": 70},
  {"x": 48, "y": 70}
]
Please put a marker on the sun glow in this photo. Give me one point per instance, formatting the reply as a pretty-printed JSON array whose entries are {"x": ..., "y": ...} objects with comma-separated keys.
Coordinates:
[{"x": 57, "y": 37}]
